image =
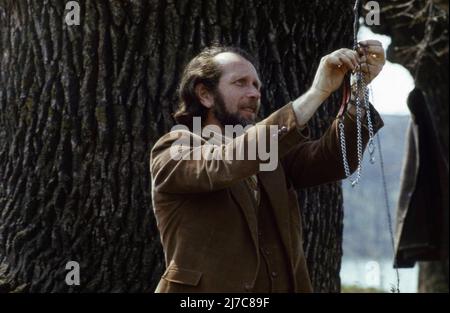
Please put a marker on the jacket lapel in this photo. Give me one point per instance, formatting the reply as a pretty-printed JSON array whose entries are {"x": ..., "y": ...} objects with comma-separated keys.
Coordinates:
[
  {"x": 276, "y": 193},
  {"x": 270, "y": 182},
  {"x": 242, "y": 197},
  {"x": 239, "y": 190}
]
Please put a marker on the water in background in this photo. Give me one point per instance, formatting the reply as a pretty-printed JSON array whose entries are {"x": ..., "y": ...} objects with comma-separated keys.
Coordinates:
[
  {"x": 368, "y": 254},
  {"x": 378, "y": 274}
]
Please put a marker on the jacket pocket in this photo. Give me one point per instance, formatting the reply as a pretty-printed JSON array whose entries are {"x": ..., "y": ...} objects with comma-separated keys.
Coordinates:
[{"x": 175, "y": 274}]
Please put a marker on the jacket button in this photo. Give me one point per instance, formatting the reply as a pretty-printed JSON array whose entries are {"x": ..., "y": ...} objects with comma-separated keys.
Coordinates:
[{"x": 274, "y": 274}]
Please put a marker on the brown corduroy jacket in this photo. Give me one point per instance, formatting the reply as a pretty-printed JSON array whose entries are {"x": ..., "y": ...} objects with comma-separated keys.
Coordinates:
[{"x": 204, "y": 212}]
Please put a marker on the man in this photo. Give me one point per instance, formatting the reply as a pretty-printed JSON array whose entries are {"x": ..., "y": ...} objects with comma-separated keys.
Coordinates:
[{"x": 226, "y": 225}]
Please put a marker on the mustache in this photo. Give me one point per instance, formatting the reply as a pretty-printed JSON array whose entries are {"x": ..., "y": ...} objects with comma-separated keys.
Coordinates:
[{"x": 253, "y": 105}]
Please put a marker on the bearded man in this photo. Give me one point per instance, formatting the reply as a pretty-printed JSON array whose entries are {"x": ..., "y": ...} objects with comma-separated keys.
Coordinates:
[{"x": 225, "y": 224}]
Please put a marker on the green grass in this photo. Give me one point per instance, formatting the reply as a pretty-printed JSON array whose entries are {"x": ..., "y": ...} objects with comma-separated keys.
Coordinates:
[{"x": 359, "y": 289}]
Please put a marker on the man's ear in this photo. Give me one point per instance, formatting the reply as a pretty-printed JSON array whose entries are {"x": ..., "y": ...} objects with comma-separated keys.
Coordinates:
[{"x": 205, "y": 97}]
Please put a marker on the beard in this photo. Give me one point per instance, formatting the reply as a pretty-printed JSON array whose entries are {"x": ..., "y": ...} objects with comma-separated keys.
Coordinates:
[{"x": 226, "y": 117}]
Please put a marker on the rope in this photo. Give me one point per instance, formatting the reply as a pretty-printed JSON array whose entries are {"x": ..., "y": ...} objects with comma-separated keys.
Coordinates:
[{"x": 388, "y": 212}]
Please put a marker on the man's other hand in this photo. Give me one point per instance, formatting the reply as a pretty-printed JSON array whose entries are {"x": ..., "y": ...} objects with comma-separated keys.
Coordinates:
[{"x": 372, "y": 59}]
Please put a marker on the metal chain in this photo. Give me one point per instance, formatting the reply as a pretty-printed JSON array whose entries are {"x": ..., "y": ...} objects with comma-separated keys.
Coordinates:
[
  {"x": 344, "y": 149},
  {"x": 359, "y": 144},
  {"x": 360, "y": 84},
  {"x": 365, "y": 91},
  {"x": 361, "y": 88},
  {"x": 361, "y": 96},
  {"x": 371, "y": 145}
]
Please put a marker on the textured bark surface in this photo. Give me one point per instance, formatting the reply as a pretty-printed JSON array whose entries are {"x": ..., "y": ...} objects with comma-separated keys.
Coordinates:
[
  {"x": 419, "y": 32},
  {"x": 81, "y": 106},
  {"x": 433, "y": 277}
]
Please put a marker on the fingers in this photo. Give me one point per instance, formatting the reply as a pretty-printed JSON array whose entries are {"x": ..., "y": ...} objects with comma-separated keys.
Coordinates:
[
  {"x": 367, "y": 68},
  {"x": 340, "y": 62},
  {"x": 347, "y": 61},
  {"x": 350, "y": 55},
  {"x": 370, "y": 71},
  {"x": 374, "y": 53},
  {"x": 369, "y": 58},
  {"x": 371, "y": 50},
  {"x": 370, "y": 42},
  {"x": 346, "y": 57}
]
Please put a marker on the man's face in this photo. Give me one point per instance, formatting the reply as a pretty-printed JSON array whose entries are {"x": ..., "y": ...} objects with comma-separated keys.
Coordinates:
[{"x": 237, "y": 99}]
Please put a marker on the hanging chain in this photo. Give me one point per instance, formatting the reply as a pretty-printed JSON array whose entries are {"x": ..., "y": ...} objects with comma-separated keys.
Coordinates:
[
  {"x": 371, "y": 145},
  {"x": 344, "y": 149},
  {"x": 361, "y": 95}
]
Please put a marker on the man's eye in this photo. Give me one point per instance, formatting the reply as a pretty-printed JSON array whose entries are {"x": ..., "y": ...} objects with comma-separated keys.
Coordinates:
[{"x": 240, "y": 82}]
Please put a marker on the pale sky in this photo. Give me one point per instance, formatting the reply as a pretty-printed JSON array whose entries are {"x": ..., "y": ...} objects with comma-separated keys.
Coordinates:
[{"x": 392, "y": 86}]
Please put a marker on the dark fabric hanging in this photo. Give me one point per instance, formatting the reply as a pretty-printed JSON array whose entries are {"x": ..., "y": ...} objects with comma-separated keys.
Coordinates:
[{"x": 422, "y": 211}]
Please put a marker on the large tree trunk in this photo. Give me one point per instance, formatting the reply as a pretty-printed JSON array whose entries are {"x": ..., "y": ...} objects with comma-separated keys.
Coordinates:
[
  {"x": 433, "y": 277},
  {"x": 81, "y": 106}
]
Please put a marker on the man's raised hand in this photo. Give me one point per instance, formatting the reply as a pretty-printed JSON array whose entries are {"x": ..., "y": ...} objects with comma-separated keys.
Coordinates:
[{"x": 369, "y": 58}]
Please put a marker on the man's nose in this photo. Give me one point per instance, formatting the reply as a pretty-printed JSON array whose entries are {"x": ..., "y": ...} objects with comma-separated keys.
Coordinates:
[{"x": 254, "y": 93}]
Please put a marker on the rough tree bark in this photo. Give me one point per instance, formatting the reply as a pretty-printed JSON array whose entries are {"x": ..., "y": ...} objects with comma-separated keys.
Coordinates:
[
  {"x": 81, "y": 106},
  {"x": 419, "y": 32}
]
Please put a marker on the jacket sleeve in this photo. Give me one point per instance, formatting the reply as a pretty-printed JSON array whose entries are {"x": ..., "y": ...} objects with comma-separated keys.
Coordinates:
[
  {"x": 178, "y": 165},
  {"x": 316, "y": 162}
]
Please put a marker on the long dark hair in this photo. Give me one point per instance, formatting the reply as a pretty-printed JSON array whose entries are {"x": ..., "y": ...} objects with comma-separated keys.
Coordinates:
[{"x": 202, "y": 69}]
